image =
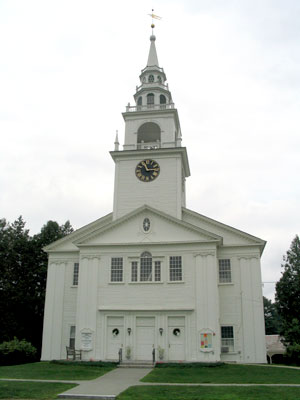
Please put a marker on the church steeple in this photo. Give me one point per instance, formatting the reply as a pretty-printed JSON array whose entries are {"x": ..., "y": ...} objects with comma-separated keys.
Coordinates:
[
  {"x": 153, "y": 142},
  {"x": 152, "y": 58}
]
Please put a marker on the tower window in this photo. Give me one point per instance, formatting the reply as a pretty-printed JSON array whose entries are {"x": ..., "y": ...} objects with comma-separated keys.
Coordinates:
[
  {"x": 162, "y": 99},
  {"x": 140, "y": 101},
  {"x": 159, "y": 79},
  {"x": 151, "y": 79},
  {"x": 150, "y": 98}
]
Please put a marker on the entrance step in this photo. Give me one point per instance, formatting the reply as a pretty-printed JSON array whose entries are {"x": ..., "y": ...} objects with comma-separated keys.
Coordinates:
[{"x": 136, "y": 364}]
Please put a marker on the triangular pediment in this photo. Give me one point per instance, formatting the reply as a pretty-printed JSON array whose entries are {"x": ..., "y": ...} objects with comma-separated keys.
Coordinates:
[
  {"x": 231, "y": 236},
  {"x": 67, "y": 243},
  {"x": 163, "y": 229}
]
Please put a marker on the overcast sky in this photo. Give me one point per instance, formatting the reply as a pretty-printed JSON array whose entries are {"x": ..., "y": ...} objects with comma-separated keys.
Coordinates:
[{"x": 68, "y": 69}]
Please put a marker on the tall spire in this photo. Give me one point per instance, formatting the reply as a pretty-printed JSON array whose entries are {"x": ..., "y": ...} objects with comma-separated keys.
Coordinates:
[{"x": 152, "y": 58}]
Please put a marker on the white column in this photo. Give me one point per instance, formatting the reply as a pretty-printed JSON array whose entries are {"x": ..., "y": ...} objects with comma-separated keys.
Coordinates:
[
  {"x": 87, "y": 305},
  {"x": 53, "y": 314},
  {"x": 207, "y": 303}
]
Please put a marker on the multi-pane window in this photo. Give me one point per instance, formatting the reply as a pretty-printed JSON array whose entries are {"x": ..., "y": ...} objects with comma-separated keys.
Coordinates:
[
  {"x": 224, "y": 271},
  {"x": 75, "y": 274},
  {"x": 146, "y": 267},
  {"x": 175, "y": 268},
  {"x": 116, "y": 269},
  {"x": 227, "y": 339},
  {"x": 72, "y": 336},
  {"x": 151, "y": 79},
  {"x": 134, "y": 271},
  {"x": 157, "y": 271}
]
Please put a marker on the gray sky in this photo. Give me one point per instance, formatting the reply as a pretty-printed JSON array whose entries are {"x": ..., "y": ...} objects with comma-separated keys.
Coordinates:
[{"x": 68, "y": 69}]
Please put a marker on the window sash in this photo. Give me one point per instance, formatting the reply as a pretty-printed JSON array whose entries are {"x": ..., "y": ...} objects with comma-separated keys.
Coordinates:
[
  {"x": 227, "y": 338},
  {"x": 157, "y": 271},
  {"x": 175, "y": 268},
  {"x": 225, "y": 271},
  {"x": 134, "y": 271},
  {"x": 116, "y": 269},
  {"x": 75, "y": 274},
  {"x": 146, "y": 269}
]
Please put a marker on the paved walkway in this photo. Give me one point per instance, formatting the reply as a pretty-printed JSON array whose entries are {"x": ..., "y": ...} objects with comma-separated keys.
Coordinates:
[{"x": 107, "y": 386}]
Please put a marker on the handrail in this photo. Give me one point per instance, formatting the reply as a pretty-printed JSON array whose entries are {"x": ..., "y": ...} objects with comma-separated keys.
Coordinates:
[
  {"x": 120, "y": 355},
  {"x": 153, "y": 355}
]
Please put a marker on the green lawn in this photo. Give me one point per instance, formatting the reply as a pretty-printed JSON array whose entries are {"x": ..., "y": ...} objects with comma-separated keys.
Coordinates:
[
  {"x": 50, "y": 370},
  {"x": 209, "y": 393},
  {"x": 32, "y": 390},
  {"x": 227, "y": 373}
]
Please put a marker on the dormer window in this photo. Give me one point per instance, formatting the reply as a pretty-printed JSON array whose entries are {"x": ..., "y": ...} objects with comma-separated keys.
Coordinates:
[{"x": 151, "y": 79}]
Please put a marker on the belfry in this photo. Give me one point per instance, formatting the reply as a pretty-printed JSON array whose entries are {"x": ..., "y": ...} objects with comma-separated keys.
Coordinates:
[{"x": 154, "y": 279}]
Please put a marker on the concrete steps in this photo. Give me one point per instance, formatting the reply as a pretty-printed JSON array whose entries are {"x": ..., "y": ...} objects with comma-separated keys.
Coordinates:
[{"x": 136, "y": 364}]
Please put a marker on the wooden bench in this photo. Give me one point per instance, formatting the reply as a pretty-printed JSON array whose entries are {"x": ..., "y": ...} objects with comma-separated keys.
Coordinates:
[{"x": 73, "y": 354}]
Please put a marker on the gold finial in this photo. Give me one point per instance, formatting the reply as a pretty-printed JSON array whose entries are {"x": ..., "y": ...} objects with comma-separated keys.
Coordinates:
[{"x": 153, "y": 16}]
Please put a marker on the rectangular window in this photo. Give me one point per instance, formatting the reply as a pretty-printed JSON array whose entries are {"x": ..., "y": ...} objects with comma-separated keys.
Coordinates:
[
  {"x": 146, "y": 269},
  {"x": 227, "y": 339},
  {"x": 72, "y": 336},
  {"x": 157, "y": 273},
  {"x": 134, "y": 271},
  {"x": 75, "y": 274},
  {"x": 175, "y": 268},
  {"x": 116, "y": 269},
  {"x": 224, "y": 271}
]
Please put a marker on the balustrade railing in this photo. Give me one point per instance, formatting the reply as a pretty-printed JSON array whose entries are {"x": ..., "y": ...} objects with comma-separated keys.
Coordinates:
[{"x": 150, "y": 107}]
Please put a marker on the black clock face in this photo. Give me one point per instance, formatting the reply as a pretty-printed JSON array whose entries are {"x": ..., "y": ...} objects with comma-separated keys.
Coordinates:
[{"x": 147, "y": 170}]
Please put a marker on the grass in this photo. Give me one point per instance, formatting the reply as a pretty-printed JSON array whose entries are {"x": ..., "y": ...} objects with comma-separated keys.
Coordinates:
[
  {"x": 57, "y": 370},
  {"x": 226, "y": 373},
  {"x": 209, "y": 393},
  {"x": 32, "y": 390}
]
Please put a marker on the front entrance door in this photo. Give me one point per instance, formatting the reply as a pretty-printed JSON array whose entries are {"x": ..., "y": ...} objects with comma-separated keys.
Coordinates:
[
  {"x": 176, "y": 334},
  {"x": 114, "y": 337},
  {"x": 145, "y": 329}
]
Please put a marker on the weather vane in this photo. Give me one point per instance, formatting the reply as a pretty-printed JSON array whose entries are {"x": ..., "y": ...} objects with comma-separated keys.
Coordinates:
[{"x": 153, "y": 16}]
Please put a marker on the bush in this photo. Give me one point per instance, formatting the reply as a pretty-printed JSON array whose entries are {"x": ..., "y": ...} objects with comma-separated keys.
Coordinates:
[
  {"x": 86, "y": 363},
  {"x": 190, "y": 365},
  {"x": 17, "y": 352}
]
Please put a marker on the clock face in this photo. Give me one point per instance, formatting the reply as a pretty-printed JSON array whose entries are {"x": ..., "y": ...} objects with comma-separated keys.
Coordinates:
[{"x": 147, "y": 170}]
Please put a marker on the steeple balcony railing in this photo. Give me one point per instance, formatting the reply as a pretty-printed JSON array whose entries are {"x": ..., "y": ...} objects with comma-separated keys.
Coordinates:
[
  {"x": 152, "y": 84},
  {"x": 150, "y": 107}
]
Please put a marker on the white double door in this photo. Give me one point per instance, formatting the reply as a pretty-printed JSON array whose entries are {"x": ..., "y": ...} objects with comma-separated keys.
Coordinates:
[{"x": 145, "y": 338}]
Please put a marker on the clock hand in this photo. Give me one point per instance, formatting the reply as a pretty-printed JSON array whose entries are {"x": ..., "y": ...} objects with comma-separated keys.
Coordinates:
[{"x": 145, "y": 165}]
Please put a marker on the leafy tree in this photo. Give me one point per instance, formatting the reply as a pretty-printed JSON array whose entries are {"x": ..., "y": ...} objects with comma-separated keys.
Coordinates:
[
  {"x": 288, "y": 299},
  {"x": 272, "y": 319},
  {"x": 23, "y": 272}
]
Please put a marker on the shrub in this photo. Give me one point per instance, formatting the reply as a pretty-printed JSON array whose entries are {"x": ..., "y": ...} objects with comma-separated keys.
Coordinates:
[
  {"x": 17, "y": 352},
  {"x": 190, "y": 365}
]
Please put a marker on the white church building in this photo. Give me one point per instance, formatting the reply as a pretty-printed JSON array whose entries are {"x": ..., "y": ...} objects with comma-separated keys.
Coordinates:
[{"x": 153, "y": 274}]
